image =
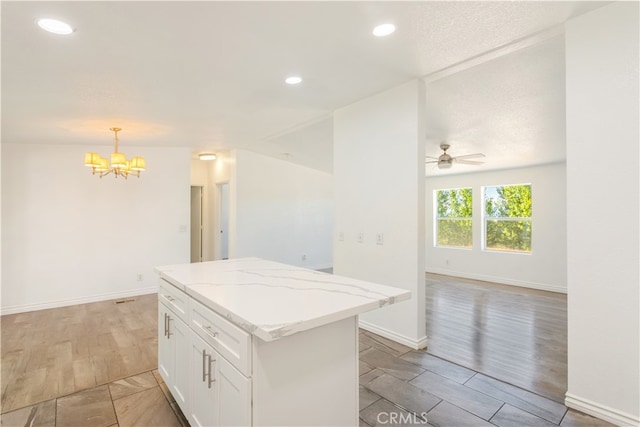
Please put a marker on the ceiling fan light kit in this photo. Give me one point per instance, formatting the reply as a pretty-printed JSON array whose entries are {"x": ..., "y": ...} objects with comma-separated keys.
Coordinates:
[{"x": 445, "y": 161}]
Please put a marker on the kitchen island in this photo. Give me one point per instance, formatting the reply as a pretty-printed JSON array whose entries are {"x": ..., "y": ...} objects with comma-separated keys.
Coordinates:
[{"x": 255, "y": 342}]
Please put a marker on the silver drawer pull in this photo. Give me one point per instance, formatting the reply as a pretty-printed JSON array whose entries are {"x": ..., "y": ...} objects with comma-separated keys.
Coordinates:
[
  {"x": 204, "y": 365},
  {"x": 211, "y": 378},
  {"x": 170, "y": 298},
  {"x": 166, "y": 329},
  {"x": 210, "y": 330}
]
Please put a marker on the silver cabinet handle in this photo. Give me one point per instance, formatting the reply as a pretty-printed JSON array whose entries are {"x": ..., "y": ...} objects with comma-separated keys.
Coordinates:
[
  {"x": 169, "y": 297},
  {"x": 169, "y": 333},
  {"x": 211, "y": 378},
  {"x": 166, "y": 329},
  {"x": 204, "y": 364},
  {"x": 210, "y": 330}
]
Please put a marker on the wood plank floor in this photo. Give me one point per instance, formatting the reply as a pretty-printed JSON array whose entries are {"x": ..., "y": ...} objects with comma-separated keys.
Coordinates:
[
  {"x": 514, "y": 334},
  {"x": 51, "y": 353},
  {"x": 94, "y": 364}
]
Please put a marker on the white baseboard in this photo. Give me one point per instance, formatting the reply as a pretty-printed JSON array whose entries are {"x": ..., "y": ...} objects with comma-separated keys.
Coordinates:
[
  {"x": 73, "y": 301},
  {"x": 603, "y": 412},
  {"x": 409, "y": 342},
  {"x": 501, "y": 280}
]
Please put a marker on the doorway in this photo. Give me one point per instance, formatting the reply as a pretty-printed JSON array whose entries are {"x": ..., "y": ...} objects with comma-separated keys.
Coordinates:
[
  {"x": 223, "y": 215},
  {"x": 196, "y": 224}
]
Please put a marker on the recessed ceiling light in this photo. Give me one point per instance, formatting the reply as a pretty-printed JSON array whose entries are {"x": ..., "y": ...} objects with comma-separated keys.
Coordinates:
[
  {"x": 55, "y": 26},
  {"x": 293, "y": 80},
  {"x": 207, "y": 156},
  {"x": 384, "y": 30}
]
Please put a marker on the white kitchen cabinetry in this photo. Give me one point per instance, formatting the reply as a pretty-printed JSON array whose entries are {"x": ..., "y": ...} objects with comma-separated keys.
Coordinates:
[
  {"x": 173, "y": 345},
  {"x": 267, "y": 344},
  {"x": 221, "y": 395},
  {"x": 209, "y": 389}
]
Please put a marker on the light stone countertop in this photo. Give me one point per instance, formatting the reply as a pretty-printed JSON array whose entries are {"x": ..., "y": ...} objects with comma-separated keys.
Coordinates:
[{"x": 272, "y": 300}]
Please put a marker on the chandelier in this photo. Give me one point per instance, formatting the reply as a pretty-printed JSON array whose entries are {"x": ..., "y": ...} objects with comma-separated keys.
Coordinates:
[{"x": 119, "y": 163}]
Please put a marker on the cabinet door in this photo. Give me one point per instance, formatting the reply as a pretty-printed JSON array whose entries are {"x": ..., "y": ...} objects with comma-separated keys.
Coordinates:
[
  {"x": 204, "y": 404},
  {"x": 166, "y": 358},
  {"x": 180, "y": 339},
  {"x": 234, "y": 394}
]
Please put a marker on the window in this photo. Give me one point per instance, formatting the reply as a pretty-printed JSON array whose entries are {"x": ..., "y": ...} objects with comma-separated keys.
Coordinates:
[
  {"x": 507, "y": 218},
  {"x": 453, "y": 223}
]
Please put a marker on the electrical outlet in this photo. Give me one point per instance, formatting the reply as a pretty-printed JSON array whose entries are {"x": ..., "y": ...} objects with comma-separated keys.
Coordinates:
[
  {"x": 379, "y": 239},
  {"x": 139, "y": 277},
  {"x": 341, "y": 237},
  {"x": 446, "y": 262},
  {"x": 360, "y": 237},
  {"x": 304, "y": 257}
]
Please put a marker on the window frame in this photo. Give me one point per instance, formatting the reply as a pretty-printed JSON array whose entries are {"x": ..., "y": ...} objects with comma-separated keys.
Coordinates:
[
  {"x": 436, "y": 219},
  {"x": 485, "y": 219}
]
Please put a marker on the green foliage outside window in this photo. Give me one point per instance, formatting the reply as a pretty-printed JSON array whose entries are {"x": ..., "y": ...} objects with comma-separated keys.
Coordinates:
[
  {"x": 454, "y": 210},
  {"x": 508, "y": 218}
]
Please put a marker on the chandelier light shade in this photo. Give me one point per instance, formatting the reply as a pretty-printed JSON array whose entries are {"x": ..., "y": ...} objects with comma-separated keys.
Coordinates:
[{"x": 119, "y": 166}]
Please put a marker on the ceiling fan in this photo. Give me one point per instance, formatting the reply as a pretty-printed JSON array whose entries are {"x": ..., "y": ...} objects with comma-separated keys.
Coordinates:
[{"x": 445, "y": 161}]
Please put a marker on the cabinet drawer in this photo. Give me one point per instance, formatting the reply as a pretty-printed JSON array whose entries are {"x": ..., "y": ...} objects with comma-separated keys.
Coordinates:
[
  {"x": 230, "y": 341},
  {"x": 174, "y": 298}
]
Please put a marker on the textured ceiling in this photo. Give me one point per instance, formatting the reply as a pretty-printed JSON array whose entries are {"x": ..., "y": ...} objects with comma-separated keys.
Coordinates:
[
  {"x": 209, "y": 75},
  {"x": 512, "y": 109}
]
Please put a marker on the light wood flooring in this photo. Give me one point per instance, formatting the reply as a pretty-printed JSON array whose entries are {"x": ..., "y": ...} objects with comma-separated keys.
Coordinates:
[
  {"x": 94, "y": 365},
  {"x": 57, "y": 352},
  {"x": 515, "y": 334}
]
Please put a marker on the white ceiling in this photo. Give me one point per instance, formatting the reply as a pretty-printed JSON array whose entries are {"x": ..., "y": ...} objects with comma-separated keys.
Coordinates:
[{"x": 209, "y": 75}]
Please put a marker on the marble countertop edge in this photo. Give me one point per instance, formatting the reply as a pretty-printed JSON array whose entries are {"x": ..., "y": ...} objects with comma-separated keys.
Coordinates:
[
  {"x": 275, "y": 332},
  {"x": 283, "y": 289}
]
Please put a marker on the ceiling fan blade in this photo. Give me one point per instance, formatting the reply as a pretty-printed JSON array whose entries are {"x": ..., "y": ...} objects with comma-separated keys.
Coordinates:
[
  {"x": 470, "y": 156},
  {"x": 467, "y": 162},
  {"x": 432, "y": 161}
]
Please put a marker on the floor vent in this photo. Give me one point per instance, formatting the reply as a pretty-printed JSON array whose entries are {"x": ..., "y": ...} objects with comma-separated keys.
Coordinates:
[{"x": 122, "y": 301}]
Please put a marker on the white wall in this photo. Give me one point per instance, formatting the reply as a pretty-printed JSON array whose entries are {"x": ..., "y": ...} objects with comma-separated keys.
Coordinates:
[
  {"x": 70, "y": 237},
  {"x": 282, "y": 211},
  {"x": 545, "y": 268},
  {"x": 379, "y": 188},
  {"x": 602, "y": 58}
]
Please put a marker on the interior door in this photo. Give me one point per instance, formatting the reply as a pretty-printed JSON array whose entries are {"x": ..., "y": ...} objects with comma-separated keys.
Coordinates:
[
  {"x": 223, "y": 203},
  {"x": 196, "y": 224}
]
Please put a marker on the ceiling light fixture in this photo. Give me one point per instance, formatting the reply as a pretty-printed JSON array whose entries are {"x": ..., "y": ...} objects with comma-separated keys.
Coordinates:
[
  {"x": 55, "y": 26},
  {"x": 293, "y": 80},
  {"x": 119, "y": 163},
  {"x": 207, "y": 156},
  {"x": 384, "y": 30}
]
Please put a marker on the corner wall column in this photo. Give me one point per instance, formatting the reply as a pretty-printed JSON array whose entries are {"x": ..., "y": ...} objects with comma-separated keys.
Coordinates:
[{"x": 379, "y": 190}]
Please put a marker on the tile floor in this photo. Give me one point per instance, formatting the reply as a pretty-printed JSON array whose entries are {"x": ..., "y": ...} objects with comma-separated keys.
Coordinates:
[
  {"x": 398, "y": 386},
  {"x": 139, "y": 400},
  {"x": 416, "y": 388}
]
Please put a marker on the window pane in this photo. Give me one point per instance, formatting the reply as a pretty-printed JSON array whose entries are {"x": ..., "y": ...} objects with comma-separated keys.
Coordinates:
[
  {"x": 508, "y": 235},
  {"x": 509, "y": 201},
  {"x": 454, "y": 232},
  {"x": 454, "y": 203},
  {"x": 507, "y": 211},
  {"x": 453, "y": 225}
]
